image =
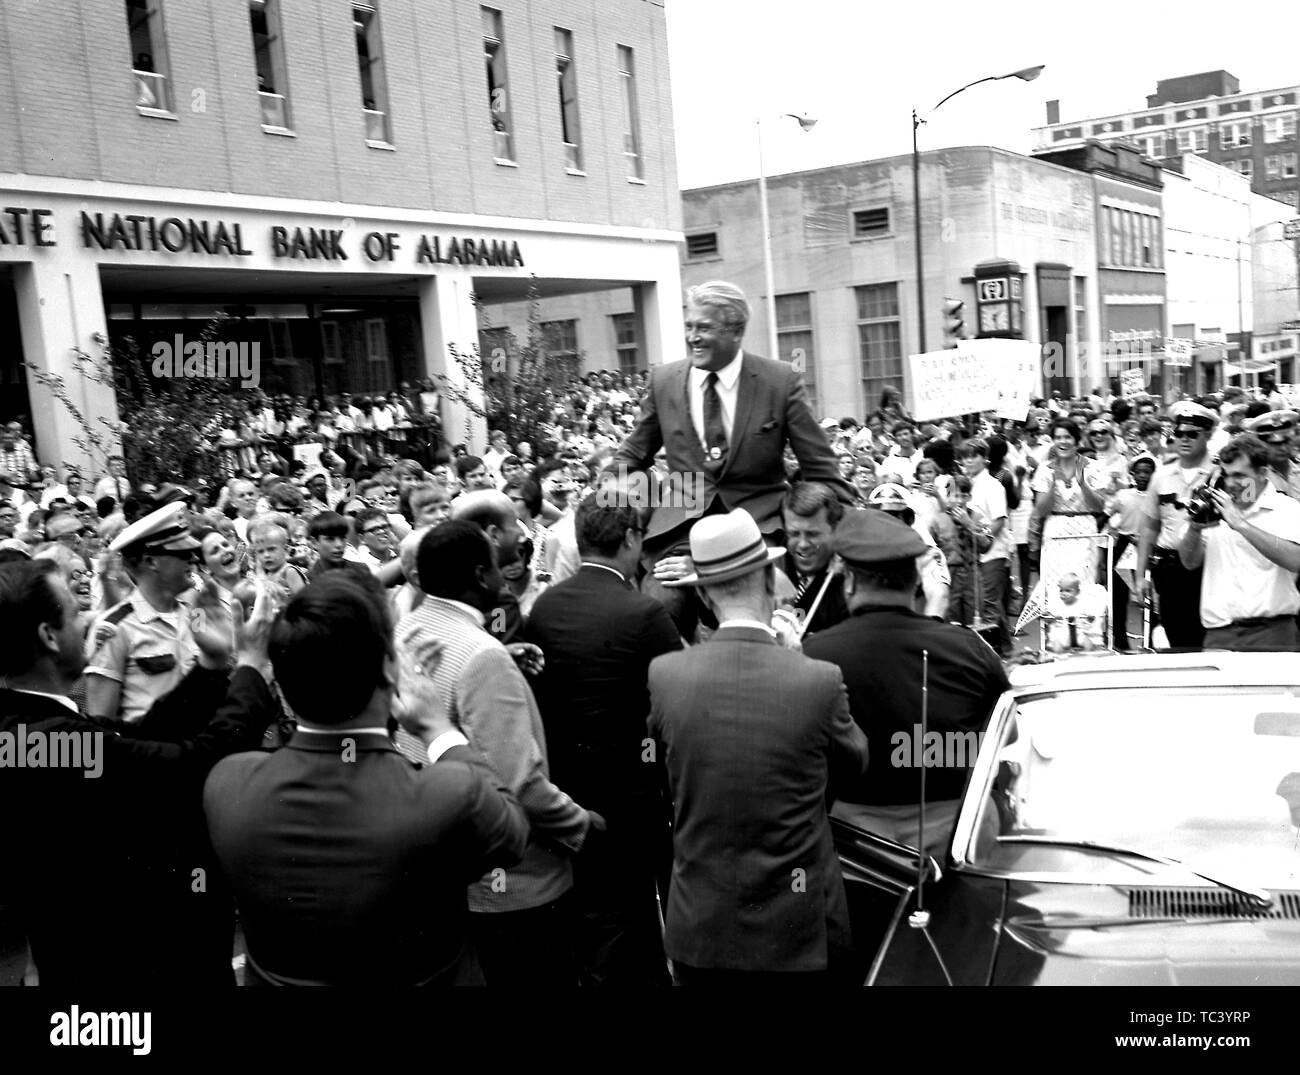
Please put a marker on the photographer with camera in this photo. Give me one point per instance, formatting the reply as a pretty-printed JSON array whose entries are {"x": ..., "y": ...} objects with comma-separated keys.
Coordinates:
[
  {"x": 1165, "y": 518},
  {"x": 1246, "y": 535}
]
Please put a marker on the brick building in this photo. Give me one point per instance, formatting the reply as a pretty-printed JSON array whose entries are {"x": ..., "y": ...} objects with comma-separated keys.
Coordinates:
[
  {"x": 1253, "y": 133},
  {"x": 345, "y": 180}
]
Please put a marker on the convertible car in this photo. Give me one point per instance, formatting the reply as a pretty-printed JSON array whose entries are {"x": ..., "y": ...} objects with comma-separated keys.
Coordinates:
[{"x": 1128, "y": 821}]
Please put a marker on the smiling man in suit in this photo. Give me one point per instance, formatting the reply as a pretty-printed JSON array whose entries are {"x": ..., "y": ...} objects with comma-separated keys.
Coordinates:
[{"x": 723, "y": 417}]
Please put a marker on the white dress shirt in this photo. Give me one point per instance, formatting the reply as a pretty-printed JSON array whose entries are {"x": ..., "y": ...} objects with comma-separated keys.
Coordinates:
[{"x": 728, "y": 378}]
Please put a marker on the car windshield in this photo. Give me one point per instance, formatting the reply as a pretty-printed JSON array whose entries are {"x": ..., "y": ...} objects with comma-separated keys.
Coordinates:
[{"x": 1210, "y": 777}]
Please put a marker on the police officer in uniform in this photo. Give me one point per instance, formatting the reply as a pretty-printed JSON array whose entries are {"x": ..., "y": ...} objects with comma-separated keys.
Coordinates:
[
  {"x": 141, "y": 648},
  {"x": 1165, "y": 521},
  {"x": 879, "y": 651},
  {"x": 1277, "y": 429}
]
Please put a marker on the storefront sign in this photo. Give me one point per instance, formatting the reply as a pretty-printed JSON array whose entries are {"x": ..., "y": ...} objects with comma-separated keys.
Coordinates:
[
  {"x": 220, "y": 238},
  {"x": 20, "y": 226},
  {"x": 1178, "y": 352}
]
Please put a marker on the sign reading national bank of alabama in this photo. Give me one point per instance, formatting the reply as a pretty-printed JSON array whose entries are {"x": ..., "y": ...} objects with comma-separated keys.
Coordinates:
[{"x": 220, "y": 238}]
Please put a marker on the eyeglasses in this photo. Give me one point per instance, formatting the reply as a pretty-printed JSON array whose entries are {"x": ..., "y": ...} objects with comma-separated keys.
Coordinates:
[
  {"x": 1099, "y": 432},
  {"x": 377, "y": 529},
  {"x": 1181, "y": 433}
]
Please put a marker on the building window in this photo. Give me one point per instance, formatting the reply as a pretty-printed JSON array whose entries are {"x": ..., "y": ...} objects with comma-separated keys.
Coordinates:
[
  {"x": 566, "y": 75},
  {"x": 868, "y": 223},
  {"x": 1273, "y": 167},
  {"x": 1279, "y": 128},
  {"x": 1152, "y": 146},
  {"x": 376, "y": 339},
  {"x": 144, "y": 21},
  {"x": 1288, "y": 166},
  {"x": 268, "y": 55},
  {"x": 631, "y": 120},
  {"x": 702, "y": 245},
  {"x": 370, "y": 63},
  {"x": 1232, "y": 135},
  {"x": 794, "y": 337},
  {"x": 494, "y": 52},
  {"x": 879, "y": 340},
  {"x": 1245, "y": 166},
  {"x": 331, "y": 343},
  {"x": 625, "y": 342},
  {"x": 1192, "y": 140},
  {"x": 560, "y": 340}
]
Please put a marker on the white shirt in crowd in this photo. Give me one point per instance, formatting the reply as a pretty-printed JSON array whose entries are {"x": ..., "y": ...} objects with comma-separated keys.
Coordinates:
[
  {"x": 989, "y": 499},
  {"x": 1240, "y": 583}
]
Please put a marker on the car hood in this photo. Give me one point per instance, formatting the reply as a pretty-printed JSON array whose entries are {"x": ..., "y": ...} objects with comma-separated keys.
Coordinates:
[{"x": 1063, "y": 934}]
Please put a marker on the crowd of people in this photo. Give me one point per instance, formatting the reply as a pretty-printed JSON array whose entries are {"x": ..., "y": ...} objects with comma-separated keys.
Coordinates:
[{"x": 501, "y": 718}]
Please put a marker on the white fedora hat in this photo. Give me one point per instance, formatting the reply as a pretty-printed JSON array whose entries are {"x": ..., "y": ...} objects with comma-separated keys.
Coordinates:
[{"x": 724, "y": 547}]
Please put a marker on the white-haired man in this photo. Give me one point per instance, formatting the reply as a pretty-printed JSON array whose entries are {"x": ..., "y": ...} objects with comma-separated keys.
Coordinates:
[{"x": 724, "y": 417}]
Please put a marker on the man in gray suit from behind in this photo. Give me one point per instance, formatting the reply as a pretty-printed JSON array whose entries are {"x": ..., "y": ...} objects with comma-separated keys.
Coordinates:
[{"x": 751, "y": 734}]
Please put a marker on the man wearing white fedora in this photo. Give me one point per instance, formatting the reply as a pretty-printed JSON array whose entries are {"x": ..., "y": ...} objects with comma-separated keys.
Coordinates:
[{"x": 752, "y": 734}]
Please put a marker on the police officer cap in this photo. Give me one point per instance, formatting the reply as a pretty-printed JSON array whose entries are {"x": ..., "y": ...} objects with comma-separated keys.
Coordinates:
[
  {"x": 165, "y": 530},
  {"x": 865, "y": 537},
  {"x": 1271, "y": 422},
  {"x": 170, "y": 493},
  {"x": 1193, "y": 414}
]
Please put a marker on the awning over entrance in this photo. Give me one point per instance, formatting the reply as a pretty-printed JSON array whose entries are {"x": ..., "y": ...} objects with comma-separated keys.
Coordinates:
[{"x": 1249, "y": 367}]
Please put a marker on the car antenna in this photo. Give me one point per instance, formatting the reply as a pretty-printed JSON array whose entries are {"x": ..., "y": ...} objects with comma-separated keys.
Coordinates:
[{"x": 920, "y": 918}]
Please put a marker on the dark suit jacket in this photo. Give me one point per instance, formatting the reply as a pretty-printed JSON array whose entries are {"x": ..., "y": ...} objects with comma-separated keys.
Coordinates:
[
  {"x": 350, "y": 863},
  {"x": 599, "y": 636},
  {"x": 879, "y": 651},
  {"x": 752, "y": 733},
  {"x": 831, "y": 610},
  {"x": 101, "y": 870},
  {"x": 771, "y": 410}
]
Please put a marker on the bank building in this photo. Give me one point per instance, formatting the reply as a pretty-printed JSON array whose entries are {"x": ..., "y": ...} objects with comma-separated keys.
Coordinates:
[{"x": 353, "y": 187}]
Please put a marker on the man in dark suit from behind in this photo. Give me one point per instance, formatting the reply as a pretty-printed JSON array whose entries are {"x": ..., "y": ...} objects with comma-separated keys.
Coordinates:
[
  {"x": 753, "y": 734},
  {"x": 105, "y": 861},
  {"x": 879, "y": 649},
  {"x": 724, "y": 417},
  {"x": 598, "y": 635},
  {"x": 349, "y": 862}
]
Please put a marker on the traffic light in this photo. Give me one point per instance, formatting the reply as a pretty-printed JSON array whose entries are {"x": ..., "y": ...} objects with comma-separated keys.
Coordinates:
[{"x": 954, "y": 321}]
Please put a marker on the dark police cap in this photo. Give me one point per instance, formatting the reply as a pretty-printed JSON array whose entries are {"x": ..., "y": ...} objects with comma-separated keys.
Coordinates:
[{"x": 865, "y": 537}]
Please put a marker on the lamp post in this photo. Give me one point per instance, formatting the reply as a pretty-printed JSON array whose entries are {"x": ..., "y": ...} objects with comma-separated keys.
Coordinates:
[
  {"x": 1027, "y": 74},
  {"x": 807, "y": 123}
]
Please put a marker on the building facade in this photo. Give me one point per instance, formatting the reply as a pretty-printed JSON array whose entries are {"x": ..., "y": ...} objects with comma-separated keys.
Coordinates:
[
  {"x": 348, "y": 184},
  {"x": 1010, "y": 237},
  {"x": 1253, "y": 133}
]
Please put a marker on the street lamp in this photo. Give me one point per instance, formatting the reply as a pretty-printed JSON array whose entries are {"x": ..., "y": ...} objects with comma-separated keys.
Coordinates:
[
  {"x": 807, "y": 123},
  {"x": 1027, "y": 74}
]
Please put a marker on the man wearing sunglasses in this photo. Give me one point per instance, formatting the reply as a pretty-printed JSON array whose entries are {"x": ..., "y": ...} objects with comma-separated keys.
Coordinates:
[
  {"x": 141, "y": 648},
  {"x": 1165, "y": 522}
]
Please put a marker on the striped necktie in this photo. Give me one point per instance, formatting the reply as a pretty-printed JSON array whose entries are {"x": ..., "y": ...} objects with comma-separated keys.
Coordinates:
[{"x": 802, "y": 589}]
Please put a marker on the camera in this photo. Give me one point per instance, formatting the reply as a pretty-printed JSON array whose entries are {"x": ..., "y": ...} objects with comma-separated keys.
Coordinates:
[{"x": 1201, "y": 508}]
